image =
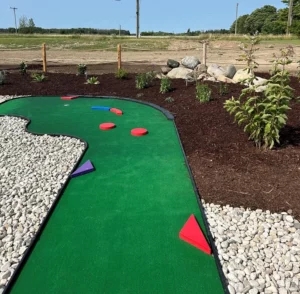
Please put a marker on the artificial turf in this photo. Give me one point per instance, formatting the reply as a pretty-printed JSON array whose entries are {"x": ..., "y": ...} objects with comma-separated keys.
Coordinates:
[{"x": 116, "y": 230}]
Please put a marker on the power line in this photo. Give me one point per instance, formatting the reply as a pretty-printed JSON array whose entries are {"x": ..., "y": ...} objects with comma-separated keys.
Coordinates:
[{"x": 14, "y": 9}]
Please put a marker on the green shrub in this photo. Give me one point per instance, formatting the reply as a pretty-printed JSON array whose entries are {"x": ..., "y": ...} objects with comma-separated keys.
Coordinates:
[
  {"x": 165, "y": 85},
  {"x": 121, "y": 74},
  {"x": 144, "y": 80},
  {"x": 203, "y": 93},
  {"x": 169, "y": 99},
  {"x": 23, "y": 67},
  {"x": 263, "y": 116},
  {"x": 38, "y": 77},
  {"x": 93, "y": 81},
  {"x": 81, "y": 69},
  {"x": 2, "y": 77},
  {"x": 223, "y": 89}
]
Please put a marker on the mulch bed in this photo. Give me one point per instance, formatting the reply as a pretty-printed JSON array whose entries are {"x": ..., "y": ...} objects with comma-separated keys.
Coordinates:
[{"x": 227, "y": 168}]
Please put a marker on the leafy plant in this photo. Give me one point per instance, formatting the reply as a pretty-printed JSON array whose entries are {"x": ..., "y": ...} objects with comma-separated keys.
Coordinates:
[
  {"x": 144, "y": 80},
  {"x": 263, "y": 116},
  {"x": 93, "y": 81},
  {"x": 165, "y": 85},
  {"x": 81, "y": 69},
  {"x": 23, "y": 67},
  {"x": 249, "y": 48},
  {"x": 223, "y": 89},
  {"x": 121, "y": 74},
  {"x": 38, "y": 77},
  {"x": 169, "y": 99},
  {"x": 2, "y": 77},
  {"x": 203, "y": 93}
]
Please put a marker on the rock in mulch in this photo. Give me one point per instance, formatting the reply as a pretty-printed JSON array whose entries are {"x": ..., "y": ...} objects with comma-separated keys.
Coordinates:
[
  {"x": 190, "y": 62},
  {"x": 241, "y": 75},
  {"x": 259, "y": 251},
  {"x": 165, "y": 69},
  {"x": 179, "y": 73},
  {"x": 215, "y": 70},
  {"x": 172, "y": 63},
  {"x": 224, "y": 79},
  {"x": 230, "y": 71}
]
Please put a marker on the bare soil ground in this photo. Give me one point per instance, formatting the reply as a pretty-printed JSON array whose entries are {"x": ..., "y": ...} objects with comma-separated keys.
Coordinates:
[
  {"x": 228, "y": 169},
  {"x": 101, "y": 61}
]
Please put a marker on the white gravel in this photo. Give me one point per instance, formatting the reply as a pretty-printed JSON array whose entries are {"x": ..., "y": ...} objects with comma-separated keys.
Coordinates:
[
  {"x": 32, "y": 170},
  {"x": 10, "y": 97},
  {"x": 259, "y": 251}
]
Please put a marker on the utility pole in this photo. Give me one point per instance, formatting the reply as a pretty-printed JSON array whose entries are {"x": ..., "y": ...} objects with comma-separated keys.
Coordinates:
[
  {"x": 137, "y": 18},
  {"x": 290, "y": 17},
  {"x": 236, "y": 17},
  {"x": 14, "y": 9}
]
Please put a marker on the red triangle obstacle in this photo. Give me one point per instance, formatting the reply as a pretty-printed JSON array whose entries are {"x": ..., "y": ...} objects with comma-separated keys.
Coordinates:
[
  {"x": 69, "y": 97},
  {"x": 191, "y": 233}
]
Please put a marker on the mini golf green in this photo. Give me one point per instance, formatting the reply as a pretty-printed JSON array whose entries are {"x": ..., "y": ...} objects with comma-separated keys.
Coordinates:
[{"x": 116, "y": 230}]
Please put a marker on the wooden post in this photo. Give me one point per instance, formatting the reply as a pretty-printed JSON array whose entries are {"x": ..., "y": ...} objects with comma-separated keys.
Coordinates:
[
  {"x": 204, "y": 53},
  {"x": 44, "y": 58},
  {"x": 119, "y": 56}
]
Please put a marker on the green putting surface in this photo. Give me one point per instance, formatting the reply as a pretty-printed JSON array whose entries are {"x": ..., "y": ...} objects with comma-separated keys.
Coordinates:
[{"x": 116, "y": 230}]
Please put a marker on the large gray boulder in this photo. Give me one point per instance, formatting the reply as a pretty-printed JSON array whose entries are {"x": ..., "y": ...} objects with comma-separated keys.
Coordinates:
[
  {"x": 230, "y": 71},
  {"x": 172, "y": 63},
  {"x": 190, "y": 62},
  {"x": 215, "y": 70},
  {"x": 179, "y": 73}
]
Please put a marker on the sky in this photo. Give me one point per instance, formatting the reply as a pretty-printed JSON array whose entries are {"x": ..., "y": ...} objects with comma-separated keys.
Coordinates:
[{"x": 155, "y": 15}]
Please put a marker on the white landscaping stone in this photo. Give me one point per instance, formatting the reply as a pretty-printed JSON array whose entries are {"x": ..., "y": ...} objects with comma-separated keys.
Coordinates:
[
  {"x": 179, "y": 73},
  {"x": 215, "y": 70},
  {"x": 268, "y": 257},
  {"x": 190, "y": 62},
  {"x": 241, "y": 75},
  {"x": 32, "y": 170}
]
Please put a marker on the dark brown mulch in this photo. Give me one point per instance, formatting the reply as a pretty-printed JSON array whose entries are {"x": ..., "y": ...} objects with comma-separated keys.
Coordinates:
[{"x": 228, "y": 169}]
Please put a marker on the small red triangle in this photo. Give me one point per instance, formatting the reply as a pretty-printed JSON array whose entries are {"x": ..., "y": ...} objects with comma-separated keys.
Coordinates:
[
  {"x": 69, "y": 97},
  {"x": 191, "y": 233}
]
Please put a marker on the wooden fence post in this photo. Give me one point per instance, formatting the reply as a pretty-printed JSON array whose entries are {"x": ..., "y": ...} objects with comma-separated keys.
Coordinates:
[
  {"x": 44, "y": 57},
  {"x": 119, "y": 57},
  {"x": 204, "y": 53}
]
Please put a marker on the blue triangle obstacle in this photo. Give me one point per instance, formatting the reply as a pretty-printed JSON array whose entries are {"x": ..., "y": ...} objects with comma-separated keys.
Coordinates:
[{"x": 87, "y": 167}]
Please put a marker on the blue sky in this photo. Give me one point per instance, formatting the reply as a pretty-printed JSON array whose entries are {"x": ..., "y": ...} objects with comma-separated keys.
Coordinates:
[{"x": 164, "y": 15}]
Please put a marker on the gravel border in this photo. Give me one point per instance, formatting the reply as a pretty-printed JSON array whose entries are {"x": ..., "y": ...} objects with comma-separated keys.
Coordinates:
[
  {"x": 259, "y": 250},
  {"x": 32, "y": 171}
]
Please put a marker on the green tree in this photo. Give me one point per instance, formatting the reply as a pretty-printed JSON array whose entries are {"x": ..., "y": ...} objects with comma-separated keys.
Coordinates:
[
  {"x": 23, "y": 22},
  {"x": 240, "y": 25},
  {"x": 256, "y": 20}
]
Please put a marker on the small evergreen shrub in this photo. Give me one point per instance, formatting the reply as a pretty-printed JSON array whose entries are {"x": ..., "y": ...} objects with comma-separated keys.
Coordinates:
[
  {"x": 93, "y": 81},
  {"x": 2, "y": 77},
  {"x": 165, "y": 85},
  {"x": 169, "y": 99},
  {"x": 38, "y": 77},
  {"x": 121, "y": 74},
  {"x": 144, "y": 80},
  {"x": 81, "y": 69},
  {"x": 203, "y": 93},
  {"x": 23, "y": 67}
]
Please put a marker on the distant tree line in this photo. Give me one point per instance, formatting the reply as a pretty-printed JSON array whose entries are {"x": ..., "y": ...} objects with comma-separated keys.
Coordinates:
[
  {"x": 27, "y": 26},
  {"x": 269, "y": 20},
  {"x": 188, "y": 33}
]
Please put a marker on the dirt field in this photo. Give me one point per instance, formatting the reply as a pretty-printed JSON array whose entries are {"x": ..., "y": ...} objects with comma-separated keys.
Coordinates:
[{"x": 100, "y": 61}]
